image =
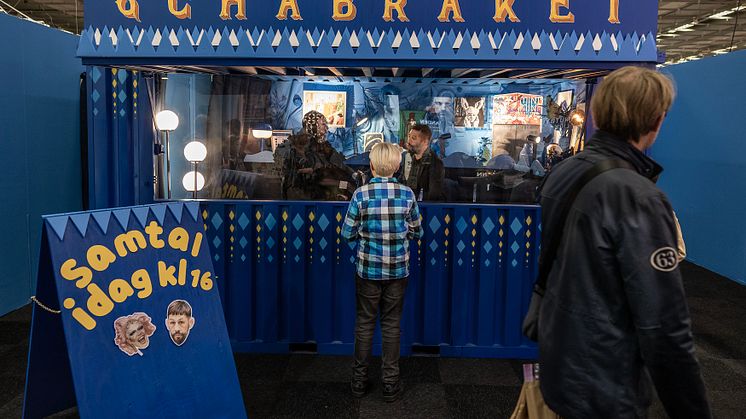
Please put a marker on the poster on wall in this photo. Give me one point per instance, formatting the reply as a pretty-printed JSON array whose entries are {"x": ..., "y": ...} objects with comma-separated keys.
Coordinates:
[
  {"x": 469, "y": 112},
  {"x": 140, "y": 330},
  {"x": 517, "y": 109},
  {"x": 333, "y": 105},
  {"x": 370, "y": 139},
  {"x": 408, "y": 120},
  {"x": 564, "y": 99},
  {"x": 439, "y": 115}
]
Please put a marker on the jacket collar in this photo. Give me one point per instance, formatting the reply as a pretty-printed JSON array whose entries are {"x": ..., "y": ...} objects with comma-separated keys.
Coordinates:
[
  {"x": 427, "y": 156},
  {"x": 606, "y": 143}
]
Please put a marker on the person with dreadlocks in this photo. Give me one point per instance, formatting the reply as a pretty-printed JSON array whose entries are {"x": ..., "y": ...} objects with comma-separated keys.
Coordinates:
[{"x": 335, "y": 178}]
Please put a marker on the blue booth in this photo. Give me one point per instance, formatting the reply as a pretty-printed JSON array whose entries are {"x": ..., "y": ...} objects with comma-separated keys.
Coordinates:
[{"x": 285, "y": 276}]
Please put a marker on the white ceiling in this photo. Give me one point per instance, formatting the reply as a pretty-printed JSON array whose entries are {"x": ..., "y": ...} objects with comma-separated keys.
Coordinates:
[{"x": 706, "y": 36}]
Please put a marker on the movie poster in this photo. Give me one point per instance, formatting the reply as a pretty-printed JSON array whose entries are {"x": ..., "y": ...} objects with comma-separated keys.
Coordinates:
[
  {"x": 333, "y": 105},
  {"x": 517, "y": 109},
  {"x": 469, "y": 112}
]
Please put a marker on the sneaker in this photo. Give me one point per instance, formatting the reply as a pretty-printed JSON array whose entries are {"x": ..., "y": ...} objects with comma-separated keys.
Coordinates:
[
  {"x": 392, "y": 391},
  {"x": 358, "y": 388}
]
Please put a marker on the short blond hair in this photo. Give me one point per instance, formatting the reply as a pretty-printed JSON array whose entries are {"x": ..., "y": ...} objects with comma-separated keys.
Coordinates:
[
  {"x": 629, "y": 102},
  {"x": 385, "y": 159}
]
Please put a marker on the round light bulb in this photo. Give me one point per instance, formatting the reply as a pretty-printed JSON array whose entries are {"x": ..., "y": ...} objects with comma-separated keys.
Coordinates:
[
  {"x": 195, "y": 151},
  {"x": 166, "y": 121},
  {"x": 188, "y": 181}
]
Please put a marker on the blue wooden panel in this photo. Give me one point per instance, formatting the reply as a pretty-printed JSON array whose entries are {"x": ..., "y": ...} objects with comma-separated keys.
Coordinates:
[{"x": 287, "y": 277}]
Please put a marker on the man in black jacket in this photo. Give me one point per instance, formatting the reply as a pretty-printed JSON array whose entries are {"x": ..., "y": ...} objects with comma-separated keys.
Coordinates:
[
  {"x": 614, "y": 315},
  {"x": 422, "y": 170}
]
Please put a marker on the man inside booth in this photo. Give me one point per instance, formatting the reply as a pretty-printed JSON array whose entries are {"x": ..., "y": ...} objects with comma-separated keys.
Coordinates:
[{"x": 422, "y": 170}]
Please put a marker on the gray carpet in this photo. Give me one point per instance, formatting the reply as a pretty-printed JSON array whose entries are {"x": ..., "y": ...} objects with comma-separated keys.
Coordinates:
[{"x": 307, "y": 385}]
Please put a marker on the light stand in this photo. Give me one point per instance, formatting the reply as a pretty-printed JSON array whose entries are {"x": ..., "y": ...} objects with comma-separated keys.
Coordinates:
[
  {"x": 195, "y": 152},
  {"x": 167, "y": 121}
]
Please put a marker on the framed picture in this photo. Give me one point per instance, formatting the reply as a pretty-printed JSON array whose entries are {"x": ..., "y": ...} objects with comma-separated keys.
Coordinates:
[
  {"x": 333, "y": 105},
  {"x": 517, "y": 109},
  {"x": 370, "y": 139},
  {"x": 469, "y": 112},
  {"x": 279, "y": 137},
  {"x": 564, "y": 99}
]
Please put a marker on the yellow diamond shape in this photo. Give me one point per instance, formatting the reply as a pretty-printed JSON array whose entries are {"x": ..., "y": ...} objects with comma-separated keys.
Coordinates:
[
  {"x": 473, "y": 233},
  {"x": 232, "y": 228},
  {"x": 114, "y": 95},
  {"x": 134, "y": 83},
  {"x": 285, "y": 240},
  {"x": 500, "y": 233},
  {"x": 205, "y": 214},
  {"x": 284, "y": 229},
  {"x": 338, "y": 243},
  {"x": 528, "y": 245},
  {"x": 205, "y": 226},
  {"x": 447, "y": 231},
  {"x": 473, "y": 243},
  {"x": 339, "y": 217},
  {"x": 500, "y": 244},
  {"x": 258, "y": 215},
  {"x": 114, "y": 71},
  {"x": 284, "y": 216},
  {"x": 446, "y": 251},
  {"x": 258, "y": 239},
  {"x": 474, "y": 219},
  {"x": 339, "y": 230},
  {"x": 311, "y": 216},
  {"x": 114, "y": 83},
  {"x": 232, "y": 240},
  {"x": 528, "y": 220},
  {"x": 231, "y": 215},
  {"x": 258, "y": 229},
  {"x": 501, "y": 220},
  {"x": 448, "y": 218},
  {"x": 310, "y": 229},
  {"x": 528, "y": 233},
  {"x": 446, "y": 243},
  {"x": 311, "y": 241}
]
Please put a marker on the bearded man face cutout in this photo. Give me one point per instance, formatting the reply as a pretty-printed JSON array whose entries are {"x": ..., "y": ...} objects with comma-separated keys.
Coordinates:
[{"x": 179, "y": 321}]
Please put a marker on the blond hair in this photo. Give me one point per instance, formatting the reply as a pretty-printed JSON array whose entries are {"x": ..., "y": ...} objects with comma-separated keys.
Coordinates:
[
  {"x": 385, "y": 159},
  {"x": 630, "y": 101}
]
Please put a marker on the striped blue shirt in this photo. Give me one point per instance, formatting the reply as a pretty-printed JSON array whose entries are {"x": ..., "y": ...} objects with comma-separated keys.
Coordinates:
[{"x": 383, "y": 216}]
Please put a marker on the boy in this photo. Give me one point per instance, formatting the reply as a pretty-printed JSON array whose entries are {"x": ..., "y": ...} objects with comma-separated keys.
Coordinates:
[{"x": 383, "y": 216}]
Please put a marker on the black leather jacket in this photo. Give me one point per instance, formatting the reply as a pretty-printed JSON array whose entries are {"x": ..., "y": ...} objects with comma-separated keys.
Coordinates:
[{"x": 614, "y": 314}]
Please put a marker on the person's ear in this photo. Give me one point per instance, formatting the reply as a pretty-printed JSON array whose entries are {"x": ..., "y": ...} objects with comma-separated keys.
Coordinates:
[{"x": 191, "y": 322}]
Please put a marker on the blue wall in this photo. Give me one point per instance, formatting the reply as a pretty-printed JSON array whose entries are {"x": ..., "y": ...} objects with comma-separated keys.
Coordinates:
[
  {"x": 40, "y": 162},
  {"x": 701, "y": 147}
]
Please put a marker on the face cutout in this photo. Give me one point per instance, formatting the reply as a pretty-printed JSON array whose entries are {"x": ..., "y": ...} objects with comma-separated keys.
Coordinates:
[
  {"x": 133, "y": 332},
  {"x": 179, "y": 321}
]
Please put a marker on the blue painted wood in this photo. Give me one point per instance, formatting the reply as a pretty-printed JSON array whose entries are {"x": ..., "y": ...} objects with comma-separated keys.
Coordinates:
[{"x": 296, "y": 283}]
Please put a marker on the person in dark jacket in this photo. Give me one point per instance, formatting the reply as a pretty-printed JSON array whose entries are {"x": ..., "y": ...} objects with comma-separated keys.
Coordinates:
[
  {"x": 614, "y": 315},
  {"x": 422, "y": 170}
]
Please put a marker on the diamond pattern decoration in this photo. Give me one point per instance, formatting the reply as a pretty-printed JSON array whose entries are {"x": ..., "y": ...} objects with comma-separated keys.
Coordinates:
[
  {"x": 270, "y": 258},
  {"x": 243, "y": 242},
  {"x": 460, "y": 262},
  {"x": 488, "y": 225},
  {"x": 297, "y": 222},
  {"x": 95, "y": 95},
  {"x": 460, "y": 246},
  {"x": 461, "y": 225},
  {"x": 487, "y": 247},
  {"x": 323, "y": 222},
  {"x": 516, "y": 226},
  {"x": 323, "y": 243},
  {"x": 270, "y": 221},
  {"x": 433, "y": 245},
  {"x": 323, "y": 258},
  {"x": 434, "y": 224},
  {"x": 216, "y": 221},
  {"x": 297, "y": 243},
  {"x": 297, "y": 259},
  {"x": 514, "y": 247},
  {"x": 514, "y": 263},
  {"x": 243, "y": 221},
  {"x": 432, "y": 261},
  {"x": 270, "y": 242},
  {"x": 216, "y": 242},
  {"x": 487, "y": 263}
]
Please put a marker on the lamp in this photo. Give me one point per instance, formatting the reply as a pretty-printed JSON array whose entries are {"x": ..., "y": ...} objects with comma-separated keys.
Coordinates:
[
  {"x": 577, "y": 118},
  {"x": 193, "y": 181},
  {"x": 262, "y": 131},
  {"x": 167, "y": 121},
  {"x": 358, "y": 124},
  {"x": 195, "y": 152}
]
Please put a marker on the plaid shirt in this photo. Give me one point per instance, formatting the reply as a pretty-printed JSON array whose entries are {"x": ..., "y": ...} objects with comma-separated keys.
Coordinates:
[{"x": 383, "y": 216}]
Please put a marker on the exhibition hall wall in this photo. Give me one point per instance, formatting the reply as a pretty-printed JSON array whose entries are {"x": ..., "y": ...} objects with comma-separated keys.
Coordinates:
[
  {"x": 701, "y": 149},
  {"x": 40, "y": 164}
]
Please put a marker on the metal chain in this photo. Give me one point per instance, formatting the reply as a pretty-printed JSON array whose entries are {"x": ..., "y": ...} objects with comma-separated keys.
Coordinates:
[{"x": 39, "y": 303}]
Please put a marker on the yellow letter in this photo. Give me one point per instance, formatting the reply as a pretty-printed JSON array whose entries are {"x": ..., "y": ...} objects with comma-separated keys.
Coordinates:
[
  {"x": 141, "y": 281},
  {"x": 182, "y": 271},
  {"x": 614, "y": 11},
  {"x": 206, "y": 282},
  {"x": 80, "y": 315},
  {"x": 196, "y": 245},
  {"x": 503, "y": 9},
  {"x": 99, "y": 257},
  {"x": 134, "y": 240},
  {"x": 451, "y": 6},
  {"x": 350, "y": 14},
  {"x": 398, "y": 5},
  {"x": 120, "y": 290},
  {"x": 154, "y": 230},
  {"x": 185, "y": 13},
  {"x": 131, "y": 12},
  {"x": 166, "y": 274},
  {"x": 179, "y": 239},
  {"x": 240, "y": 13},
  {"x": 82, "y": 274},
  {"x": 99, "y": 303},
  {"x": 289, "y": 6},
  {"x": 556, "y": 17},
  {"x": 195, "y": 278}
]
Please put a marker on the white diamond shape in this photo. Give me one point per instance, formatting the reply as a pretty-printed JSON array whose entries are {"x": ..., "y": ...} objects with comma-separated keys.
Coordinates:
[{"x": 536, "y": 42}]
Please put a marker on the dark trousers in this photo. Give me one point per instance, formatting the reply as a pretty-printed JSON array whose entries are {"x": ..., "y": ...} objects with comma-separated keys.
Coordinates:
[{"x": 389, "y": 296}]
